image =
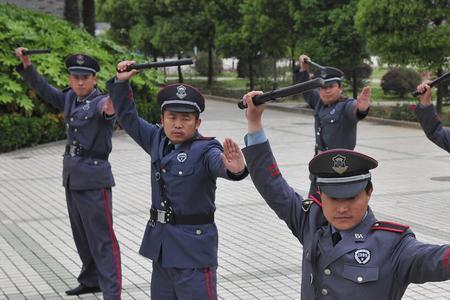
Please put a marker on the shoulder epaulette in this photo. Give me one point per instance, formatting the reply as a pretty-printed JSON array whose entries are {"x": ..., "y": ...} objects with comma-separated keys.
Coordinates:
[
  {"x": 390, "y": 226},
  {"x": 307, "y": 203}
]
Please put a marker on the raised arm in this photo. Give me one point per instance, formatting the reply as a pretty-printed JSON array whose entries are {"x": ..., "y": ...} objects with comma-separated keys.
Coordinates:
[
  {"x": 301, "y": 75},
  {"x": 37, "y": 82},
  {"x": 265, "y": 172},
  {"x": 124, "y": 105},
  {"x": 430, "y": 120}
]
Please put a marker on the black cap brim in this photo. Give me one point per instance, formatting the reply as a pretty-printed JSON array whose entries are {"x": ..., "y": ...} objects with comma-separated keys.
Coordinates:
[
  {"x": 181, "y": 108},
  {"x": 343, "y": 190}
]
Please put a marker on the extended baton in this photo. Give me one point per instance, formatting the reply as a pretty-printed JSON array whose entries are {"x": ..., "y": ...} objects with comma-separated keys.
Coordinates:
[
  {"x": 284, "y": 92},
  {"x": 433, "y": 83},
  {"x": 35, "y": 51},
  {"x": 310, "y": 62},
  {"x": 159, "y": 64}
]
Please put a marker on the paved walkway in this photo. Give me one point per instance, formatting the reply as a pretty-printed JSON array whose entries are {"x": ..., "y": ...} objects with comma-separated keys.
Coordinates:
[{"x": 258, "y": 256}]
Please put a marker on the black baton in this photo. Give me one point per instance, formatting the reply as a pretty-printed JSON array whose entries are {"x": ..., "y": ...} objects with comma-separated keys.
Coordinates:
[
  {"x": 159, "y": 64},
  {"x": 433, "y": 83},
  {"x": 310, "y": 62},
  {"x": 35, "y": 51},
  {"x": 284, "y": 92}
]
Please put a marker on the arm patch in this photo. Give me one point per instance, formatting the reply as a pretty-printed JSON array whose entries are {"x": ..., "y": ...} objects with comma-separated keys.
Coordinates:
[{"x": 390, "y": 226}]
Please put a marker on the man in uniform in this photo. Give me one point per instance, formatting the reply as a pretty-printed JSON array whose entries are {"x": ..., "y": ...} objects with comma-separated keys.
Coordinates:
[
  {"x": 180, "y": 237},
  {"x": 430, "y": 120},
  {"x": 347, "y": 252},
  {"x": 335, "y": 116},
  {"x": 87, "y": 175}
]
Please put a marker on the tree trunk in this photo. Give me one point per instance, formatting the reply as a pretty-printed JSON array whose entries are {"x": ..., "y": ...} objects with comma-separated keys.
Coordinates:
[
  {"x": 71, "y": 12},
  {"x": 89, "y": 16},
  {"x": 275, "y": 75},
  {"x": 293, "y": 64},
  {"x": 180, "y": 75},
  {"x": 354, "y": 87},
  {"x": 439, "y": 93},
  {"x": 210, "y": 64},
  {"x": 250, "y": 72}
]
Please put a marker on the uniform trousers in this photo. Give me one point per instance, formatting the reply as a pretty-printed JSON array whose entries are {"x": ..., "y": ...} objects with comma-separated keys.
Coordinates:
[
  {"x": 90, "y": 213},
  {"x": 183, "y": 283}
]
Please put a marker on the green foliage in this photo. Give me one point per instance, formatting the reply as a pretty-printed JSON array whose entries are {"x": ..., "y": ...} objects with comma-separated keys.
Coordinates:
[
  {"x": 400, "y": 81},
  {"x": 17, "y": 131},
  {"x": 201, "y": 64},
  {"x": 398, "y": 112},
  {"x": 407, "y": 32},
  {"x": 20, "y": 27},
  {"x": 149, "y": 111}
]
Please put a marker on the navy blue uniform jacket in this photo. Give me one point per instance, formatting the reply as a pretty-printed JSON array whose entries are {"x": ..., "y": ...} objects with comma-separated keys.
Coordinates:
[{"x": 370, "y": 263}]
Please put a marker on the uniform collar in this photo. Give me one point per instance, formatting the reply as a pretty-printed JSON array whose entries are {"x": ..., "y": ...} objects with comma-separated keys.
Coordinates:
[{"x": 82, "y": 100}]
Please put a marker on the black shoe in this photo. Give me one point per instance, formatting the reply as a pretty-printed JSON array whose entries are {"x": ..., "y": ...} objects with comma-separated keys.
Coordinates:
[{"x": 82, "y": 289}]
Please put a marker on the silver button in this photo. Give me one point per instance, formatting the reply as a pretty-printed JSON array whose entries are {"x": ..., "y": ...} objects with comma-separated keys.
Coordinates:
[
  {"x": 324, "y": 292},
  {"x": 95, "y": 162},
  {"x": 360, "y": 279},
  {"x": 74, "y": 142},
  {"x": 67, "y": 125},
  {"x": 162, "y": 204},
  {"x": 163, "y": 170},
  {"x": 327, "y": 272},
  {"x": 332, "y": 121},
  {"x": 198, "y": 232},
  {"x": 75, "y": 130},
  {"x": 85, "y": 118},
  {"x": 180, "y": 173},
  {"x": 71, "y": 119}
]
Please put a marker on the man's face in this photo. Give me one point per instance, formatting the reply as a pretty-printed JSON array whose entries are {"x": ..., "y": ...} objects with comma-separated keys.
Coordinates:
[
  {"x": 179, "y": 126},
  {"x": 345, "y": 214},
  {"x": 330, "y": 93},
  {"x": 82, "y": 85}
]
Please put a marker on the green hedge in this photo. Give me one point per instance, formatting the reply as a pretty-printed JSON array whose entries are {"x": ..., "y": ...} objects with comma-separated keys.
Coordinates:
[
  {"x": 21, "y": 27},
  {"x": 17, "y": 131},
  {"x": 27, "y": 120}
]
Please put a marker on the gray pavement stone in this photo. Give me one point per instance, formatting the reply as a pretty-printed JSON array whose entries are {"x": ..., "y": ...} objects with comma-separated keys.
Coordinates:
[{"x": 258, "y": 256}]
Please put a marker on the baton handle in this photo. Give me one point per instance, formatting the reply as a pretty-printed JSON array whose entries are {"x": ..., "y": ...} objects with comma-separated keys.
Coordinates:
[
  {"x": 284, "y": 92},
  {"x": 433, "y": 83},
  {"x": 159, "y": 64},
  {"x": 35, "y": 51}
]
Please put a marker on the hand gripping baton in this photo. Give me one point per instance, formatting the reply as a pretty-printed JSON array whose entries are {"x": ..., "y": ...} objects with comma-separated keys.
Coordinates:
[
  {"x": 159, "y": 64},
  {"x": 284, "y": 92},
  {"x": 434, "y": 83}
]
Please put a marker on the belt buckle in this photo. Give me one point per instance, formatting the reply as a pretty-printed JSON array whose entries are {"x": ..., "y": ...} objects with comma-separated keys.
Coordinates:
[{"x": 161, "y": 216}]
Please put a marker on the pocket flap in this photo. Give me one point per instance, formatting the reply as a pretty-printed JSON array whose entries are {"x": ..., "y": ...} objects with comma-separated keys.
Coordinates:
[{"x": 360, "y": 274}]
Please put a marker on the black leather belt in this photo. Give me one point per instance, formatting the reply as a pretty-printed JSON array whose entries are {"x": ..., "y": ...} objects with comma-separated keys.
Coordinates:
[
  {"x": 161, "y": 216},
  {"x": 80, "y": 151}
]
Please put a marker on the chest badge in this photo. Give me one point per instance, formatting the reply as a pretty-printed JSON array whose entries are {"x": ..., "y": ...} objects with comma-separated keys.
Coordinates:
[
  {"x": 362, "y": 256},
  {"x": 86, "y": 106},
  {"x": 181, "y": 157}
]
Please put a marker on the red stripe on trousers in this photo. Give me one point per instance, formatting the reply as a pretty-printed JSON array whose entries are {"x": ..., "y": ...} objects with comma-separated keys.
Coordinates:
[
  {"x": 115, "y": 246},
  {"x": 208, "y": 283},
  {"x": 446, "y": 259}
]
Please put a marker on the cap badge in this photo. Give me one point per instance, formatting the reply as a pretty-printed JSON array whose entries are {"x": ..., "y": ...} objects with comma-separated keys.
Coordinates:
[
  {"x": 181, "y": 91},
  {"x": 339, "y": 164},
  {"x": 80, "y": 59},
  {"x": 181, "y": 157},
  {"x": 362, "y": 256}
]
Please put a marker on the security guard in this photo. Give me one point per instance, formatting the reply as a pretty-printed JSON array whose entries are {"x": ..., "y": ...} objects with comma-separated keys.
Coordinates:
[
  {"x": 180, "y": 237},
  {"x": 87, "y": 175},
  {"x": 335, "y": 116},
  {"x": 347, "y": 252},
  {"x": 430, "y": 120}
]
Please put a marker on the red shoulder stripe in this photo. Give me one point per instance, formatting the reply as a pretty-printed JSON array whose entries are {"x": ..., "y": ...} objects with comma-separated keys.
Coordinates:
[
  {"x": 446, "y": 258},
  {"x": 390, "y": 226},
  {"x": 313, "y": 198}
]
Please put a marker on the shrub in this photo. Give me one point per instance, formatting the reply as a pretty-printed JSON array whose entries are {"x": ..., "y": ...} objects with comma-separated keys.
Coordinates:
[
  {"x": 201, "y": 64},
  {"x": 400, "y": 81},
  {"x": 21, "y": 27}
]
